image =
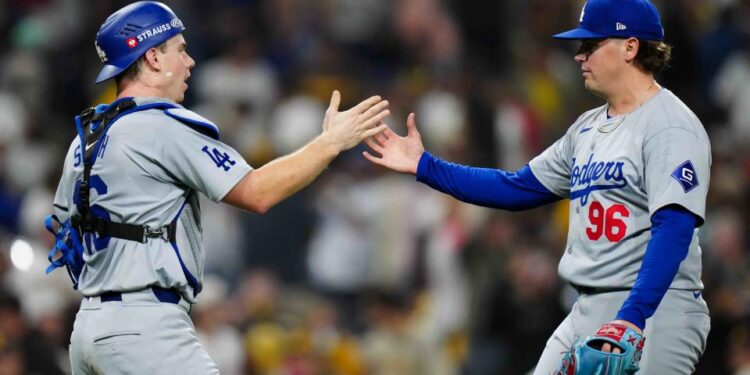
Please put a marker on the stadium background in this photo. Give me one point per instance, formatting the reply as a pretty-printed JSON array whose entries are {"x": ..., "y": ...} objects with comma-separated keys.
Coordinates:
[{"x": 366, "y": 271}]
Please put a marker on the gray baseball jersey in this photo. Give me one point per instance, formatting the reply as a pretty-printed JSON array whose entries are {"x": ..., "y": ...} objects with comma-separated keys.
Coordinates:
[
  {"x": 617, "y": 172},
  {"x": 148, "y": 171}
]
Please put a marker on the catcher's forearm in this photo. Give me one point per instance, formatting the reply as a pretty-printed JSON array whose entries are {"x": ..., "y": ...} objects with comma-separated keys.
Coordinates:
[{"x": 264, "y": 187}]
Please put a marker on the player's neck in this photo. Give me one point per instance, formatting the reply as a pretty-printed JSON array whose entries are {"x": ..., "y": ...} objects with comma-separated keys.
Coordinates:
[
  {"x": 632, "y": 94},
  {"x": 140, "y": 88}
]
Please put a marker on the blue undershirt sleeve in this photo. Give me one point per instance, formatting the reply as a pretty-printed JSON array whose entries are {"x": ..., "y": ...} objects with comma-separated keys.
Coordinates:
[
  {"x": 671, "y": 232},
  {"x": 487, "y": 187}
]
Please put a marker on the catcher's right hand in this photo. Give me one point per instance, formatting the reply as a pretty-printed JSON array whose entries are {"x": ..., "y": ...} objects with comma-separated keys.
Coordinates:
[{"x": 587, "y": 358}]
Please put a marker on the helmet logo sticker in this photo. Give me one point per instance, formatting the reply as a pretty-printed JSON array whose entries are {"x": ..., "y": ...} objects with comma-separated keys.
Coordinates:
[
  {"x": 100, "y": 52},
  {"x": 176, "y": 23},
  {"x": 154, "y": 31}
]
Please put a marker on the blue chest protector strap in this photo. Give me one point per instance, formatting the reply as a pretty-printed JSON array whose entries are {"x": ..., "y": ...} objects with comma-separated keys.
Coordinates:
[{"x": 92, "y": 127}]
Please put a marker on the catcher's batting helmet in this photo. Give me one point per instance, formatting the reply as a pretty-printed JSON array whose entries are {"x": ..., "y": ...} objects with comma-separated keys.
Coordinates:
[{"x": 128, "y": 33}]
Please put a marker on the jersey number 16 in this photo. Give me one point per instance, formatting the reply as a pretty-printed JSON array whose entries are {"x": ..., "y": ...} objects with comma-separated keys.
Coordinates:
[{"x": 607, "y": 222}]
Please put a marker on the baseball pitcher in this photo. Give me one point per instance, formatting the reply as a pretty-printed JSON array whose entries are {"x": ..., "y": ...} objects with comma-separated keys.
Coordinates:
[{"x": 636, "y": 171}]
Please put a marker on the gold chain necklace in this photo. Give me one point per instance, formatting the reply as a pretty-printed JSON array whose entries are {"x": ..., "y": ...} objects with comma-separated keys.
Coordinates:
[{"x": 610, "y": 126}]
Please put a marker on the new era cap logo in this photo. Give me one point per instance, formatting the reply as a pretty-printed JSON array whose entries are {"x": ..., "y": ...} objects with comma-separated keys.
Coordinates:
[
  {"x": 686, "y": 176},
  {"x": 620, "y": 27},
  {"x": 583, "y": 11}
]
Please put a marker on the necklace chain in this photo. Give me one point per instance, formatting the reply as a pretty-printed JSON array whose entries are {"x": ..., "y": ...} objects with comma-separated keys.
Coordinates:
[{"x": 609, "y": 127}]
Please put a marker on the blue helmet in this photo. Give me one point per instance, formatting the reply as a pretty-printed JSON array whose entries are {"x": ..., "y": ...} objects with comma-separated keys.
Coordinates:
[{"x": 131, "y": 31}]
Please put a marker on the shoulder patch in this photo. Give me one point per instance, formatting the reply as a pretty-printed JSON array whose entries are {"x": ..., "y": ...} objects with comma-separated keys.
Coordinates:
[
  {"x": 195, "y": 121},
  {"x": 686, "y": 176}
]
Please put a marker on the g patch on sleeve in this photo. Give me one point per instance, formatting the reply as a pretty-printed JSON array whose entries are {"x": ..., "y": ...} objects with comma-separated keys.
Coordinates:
[{"x": 686, "y": 176}]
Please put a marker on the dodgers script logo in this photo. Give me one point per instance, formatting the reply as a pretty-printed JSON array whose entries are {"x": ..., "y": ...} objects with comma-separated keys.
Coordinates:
[{"x": 595, "y": 175}]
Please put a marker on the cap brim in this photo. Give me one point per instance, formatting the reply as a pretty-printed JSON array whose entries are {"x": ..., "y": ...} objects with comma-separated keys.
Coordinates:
[
  {"x": 107, "y": 72},
  {"x": 579, "y": 33}
]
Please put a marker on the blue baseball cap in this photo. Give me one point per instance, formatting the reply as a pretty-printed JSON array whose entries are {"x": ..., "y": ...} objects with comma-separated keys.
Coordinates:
[
  {"x": 617, "y": 19},
  {"x": 131, "y": 31}
]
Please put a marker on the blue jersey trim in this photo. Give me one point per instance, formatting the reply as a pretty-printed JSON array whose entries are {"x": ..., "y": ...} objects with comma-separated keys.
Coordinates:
[
  {"x": 487, "y": 187},
  {"x": 197, "y": 122},
  {"x": 192, "y": 280},
  {"x": 144, "y": 107},
  {"x": 671, "y": 233}
]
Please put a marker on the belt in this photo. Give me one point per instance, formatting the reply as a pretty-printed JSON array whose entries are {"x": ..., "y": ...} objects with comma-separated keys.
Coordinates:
[
  {"x": 162, "y": 294},
  {"x": 581, "y": 289}
]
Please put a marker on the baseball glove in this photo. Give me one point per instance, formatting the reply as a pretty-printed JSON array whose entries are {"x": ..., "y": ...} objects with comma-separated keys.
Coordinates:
[{"x": 586, "y": 357}]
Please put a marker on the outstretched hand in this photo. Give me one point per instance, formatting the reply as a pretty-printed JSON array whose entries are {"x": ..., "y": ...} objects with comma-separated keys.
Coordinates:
[
  {"x": 346, "y": 129},
  {"x": 398, "y": 153}
]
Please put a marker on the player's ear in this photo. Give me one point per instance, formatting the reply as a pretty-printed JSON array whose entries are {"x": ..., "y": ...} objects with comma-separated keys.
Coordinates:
[
  {"x": 151, "y": 59},
  {"x": 631, "y": 47}
]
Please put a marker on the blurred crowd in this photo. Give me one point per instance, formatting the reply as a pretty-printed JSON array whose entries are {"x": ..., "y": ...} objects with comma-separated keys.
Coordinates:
[{"x": 367, "y": 271}]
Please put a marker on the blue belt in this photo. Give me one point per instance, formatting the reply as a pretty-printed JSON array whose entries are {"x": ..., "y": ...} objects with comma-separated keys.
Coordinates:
[{"x": 162, "y": 294}]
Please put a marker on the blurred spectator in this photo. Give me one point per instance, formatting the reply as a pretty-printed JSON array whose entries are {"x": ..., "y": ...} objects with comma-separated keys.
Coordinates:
[
  {"x": 221, "y": 341},
  {"x": 514, "y": 301},
  {"x": 445, "y": 119},
  {"x": 359, "y": 21},
  {"x": 517, "y": 131},
  {"x": 389, "y": 348},
  {"x": 430, "y": 33},
  {"x": 294, "y": 122},
  {"x": 731, "y": 94},
  {"x": 240, "y": 77},
  {"x": 25, "y": 350},
  {"x": 739, "y": 350}
]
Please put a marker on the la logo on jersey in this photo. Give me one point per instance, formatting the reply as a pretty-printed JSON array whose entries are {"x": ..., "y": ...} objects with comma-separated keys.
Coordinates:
[
  {"x": 595, "y": 175},
  {"x": 221, "y": 159},
  {"x": 686, "y": 176}
]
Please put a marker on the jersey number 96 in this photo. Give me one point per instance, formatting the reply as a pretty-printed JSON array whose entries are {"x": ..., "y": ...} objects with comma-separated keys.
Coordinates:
[{"x": 607, "y": 222}]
